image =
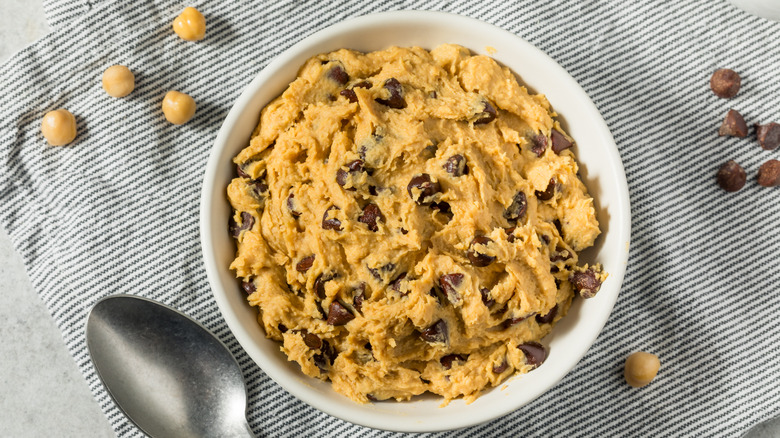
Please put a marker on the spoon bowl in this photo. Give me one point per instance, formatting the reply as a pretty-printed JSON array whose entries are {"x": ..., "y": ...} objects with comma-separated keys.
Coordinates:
[{"x": 165, "y": 371}]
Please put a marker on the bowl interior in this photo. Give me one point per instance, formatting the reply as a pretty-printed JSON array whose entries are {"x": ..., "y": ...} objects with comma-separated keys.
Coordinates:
[{"x": 601, "y": 170}]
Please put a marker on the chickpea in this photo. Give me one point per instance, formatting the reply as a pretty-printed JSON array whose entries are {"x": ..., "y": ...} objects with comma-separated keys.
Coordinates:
[
  {"x": 118, "y": 81},
  {"x": 59, "y": 127},
  {"x": 190, "y": 25},
  {"x": 641, "y": 368},
  {"x": 178, "y": 107}
]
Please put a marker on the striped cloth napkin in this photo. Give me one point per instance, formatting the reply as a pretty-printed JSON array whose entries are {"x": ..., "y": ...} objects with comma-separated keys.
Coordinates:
[{"x": 116, "y": 212}]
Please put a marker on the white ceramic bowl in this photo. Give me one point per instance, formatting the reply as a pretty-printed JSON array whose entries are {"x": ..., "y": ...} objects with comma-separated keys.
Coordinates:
[{"x": 601, "y": 169}]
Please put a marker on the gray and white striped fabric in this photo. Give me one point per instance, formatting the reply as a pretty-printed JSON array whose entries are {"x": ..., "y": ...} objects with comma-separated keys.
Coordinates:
[{"x": 117, "y": 211}]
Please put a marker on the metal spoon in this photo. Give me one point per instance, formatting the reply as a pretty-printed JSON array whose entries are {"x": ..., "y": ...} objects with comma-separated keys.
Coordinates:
[{"x": 165, "y": 371}]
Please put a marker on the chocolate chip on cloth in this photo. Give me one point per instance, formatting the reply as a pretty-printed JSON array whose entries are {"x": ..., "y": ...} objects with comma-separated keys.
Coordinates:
[
  {"x": 768, "y": 135},
  {"x": 725, "y": 83},
  {"x": 733, "y": 125},
  {"x": 769, "y": 174},
  {"x": 385, "y": 211},
  {"x": 731, "y": 176}
]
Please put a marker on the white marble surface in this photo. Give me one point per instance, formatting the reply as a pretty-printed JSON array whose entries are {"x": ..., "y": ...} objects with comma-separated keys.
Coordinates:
[{"x": 43, "y": 393}]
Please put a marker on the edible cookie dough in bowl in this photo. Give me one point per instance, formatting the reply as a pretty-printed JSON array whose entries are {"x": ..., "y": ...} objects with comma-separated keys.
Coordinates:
[{"x": 415, "y": 221}]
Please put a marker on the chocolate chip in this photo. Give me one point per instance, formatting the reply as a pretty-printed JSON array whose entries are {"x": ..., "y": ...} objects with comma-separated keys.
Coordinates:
[
  {"x": 319, "y": 284},
  {"x": 353, "y": 167},
  {"x": 768, "y": 135},
  {"x": 247, "y": 222},
  {"x": 397, "y": 285},
  {"x": 371, "y": 397},
  {"x": 733, "y": 125},
  {"x": 517, "y": 208},
  {"x": 559, "y": 141},
  {"x": 450, "y": 284},
  {"x": 547, "y": 318},
  {"x": 487, "y": 115},
  {"x": 311, "y": 340},
  {"x": 446, "y": 361},
  {"x": 329, "y": 222},
  {"x": 363, "y": 84},
  {"x": 422, "y": 188},
  {"x": 456, "y": 165},
  {"x": 513, "y": 321},
  {"x": 535, "y": 353},
  {"x": 326, "y": 357},
  {"x": 487, "y": 299},
  {"x": 725, "y": 83},
  {"x": 248, "y": 287},
  {"x": 437, "y": 333},
  {"x": 350, "y": 95},
  {"x": 338, "y": 314},
  {"x": 586, "y": 283},
  {"x": 731, "y": 176},
  {"x": 370, "y": 215},
  {"x": 396, "y": 99},
  {"x": 292, "y": 206},
  {"x": 240, "y": 171},
  {"x": 510, "y": 234},
  {"x": 377, "y": 272},
  {"x": 358, "y": 296},
  {"x": 282, "y": 328},
  {"x": 539, "y": 145},
  {"x": 476, "y": 252},
  {"x": 305, "y": 263},
  {"x": 769, "y": 174},
  {"x": 560, "y": 255},
  {"x": 501, "y": 368},
  {"x": 339, "y": 75},
  {"x": 259, "y": 188},
  {"x": 548, "y": 193}
]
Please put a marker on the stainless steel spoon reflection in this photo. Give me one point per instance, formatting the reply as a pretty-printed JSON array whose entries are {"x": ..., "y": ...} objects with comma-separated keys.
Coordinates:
[{"x": 165, "y": 371}]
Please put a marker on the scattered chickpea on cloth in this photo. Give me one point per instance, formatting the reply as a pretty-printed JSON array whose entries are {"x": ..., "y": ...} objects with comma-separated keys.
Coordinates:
[
  {"x": 641, "y": 368},
  {"x": 118, "y": 81},
  {"x": 190, "y": 25},
  {"x": 178, "y": 107},
  {"x": 59, "y": 127}
]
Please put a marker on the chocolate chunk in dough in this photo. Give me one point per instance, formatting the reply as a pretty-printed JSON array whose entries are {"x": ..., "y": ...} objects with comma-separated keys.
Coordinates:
[
  {"x": 329, "y": 221},
  {"x": 338, "y": 74},
  {"x": 358, "y": 295},
  {"x": 352, "y": 168},
  {"x": 240, "y": 171},
  {"x": 248, "y": 287},
  {"x": 436, "y": 333},
  {"x": 731, "y": 176},
  {"x": 539, "y": 145},
  {"x": 768, "y": 136},
  {"x": 422, "y": 188},
  {"x": 487, "y": 115},
  {"x": 487, "y": 298},
  {"x": 501, "y": 368},
  {"x": 559, "y": 141},
  {"x": 398, "y": 286},
  {"x": 548, "y": 193},
  {"x": 311, "y": 340},
  {"x": 247, "y": 222},
  {"x": 451, "y": 285},
  {"x": 733, "y": 125},
  {"x": 447, "y": 361},
  {"x": 292, "y": 206},
  {"x": 370, "y": 215},
  {"x": 769, "y": 174},
  {"x": 725, "y": 83},
  {"x": 548, "y": 317},
  {"x": 396, "y": 99},
  {"x": 535, "y": 353},
  {"x": 514, "y": 321},
  {"x": 517, "y": 208},
  {"x": 338, "y": 314},
  {"x": 456, "y": 165},
  {"x": 476, "y": 252},
  {"x": 586, "y": 283},
  {"x": 350, "y": 95},
  {"x": 305, "y": 263}
]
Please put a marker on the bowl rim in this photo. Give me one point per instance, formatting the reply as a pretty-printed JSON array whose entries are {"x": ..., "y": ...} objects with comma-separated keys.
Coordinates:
[{"x": 208, "y": 194}]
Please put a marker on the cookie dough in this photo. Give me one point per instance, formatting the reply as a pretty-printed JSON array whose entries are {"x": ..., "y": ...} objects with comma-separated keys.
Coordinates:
[{"x": 410, "y": 221}]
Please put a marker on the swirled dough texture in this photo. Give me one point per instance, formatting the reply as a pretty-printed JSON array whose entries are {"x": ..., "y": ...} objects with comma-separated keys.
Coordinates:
[{"x": 409, "y": 221}]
